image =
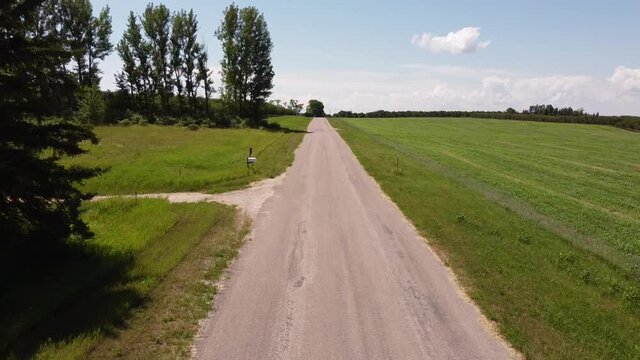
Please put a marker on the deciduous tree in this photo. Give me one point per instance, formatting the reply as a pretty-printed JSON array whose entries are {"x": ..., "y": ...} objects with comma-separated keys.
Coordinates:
[
  {"x": 156, "y": 24},
  {"x": 315, "y": 108},
  {"x": 204, "y": 76},
  {"x": 247, "y": 73},
  {"x": 89, "y": 37}
]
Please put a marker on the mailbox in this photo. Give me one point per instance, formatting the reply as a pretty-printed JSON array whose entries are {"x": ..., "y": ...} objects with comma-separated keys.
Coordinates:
[{"x": 251, "y": 160}]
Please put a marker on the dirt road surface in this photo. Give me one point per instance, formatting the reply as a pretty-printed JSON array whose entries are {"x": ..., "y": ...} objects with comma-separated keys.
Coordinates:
[{"x": 334, "y": 271}]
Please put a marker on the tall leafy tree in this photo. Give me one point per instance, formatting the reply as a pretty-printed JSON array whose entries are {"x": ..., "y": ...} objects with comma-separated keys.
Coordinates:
[
  {"x": 178, "y": 44},
  {"x": 295, "y": 105},
  {"x": 135, "y": 77},
  {"x": 128, "y": 79},
  {"x": 204, "y": 76},
  {"x": 247, "y": 73},
  {"x": 89, "y": 37},
  {"x": 156, "y": 22},
  {"x": 99, "y": 44},
  {"x": 39, "y": 201},
  {"x": 191, "y": 52},
  {"x": 227, "y": 33},
  {"x": 258, "y": 80}
]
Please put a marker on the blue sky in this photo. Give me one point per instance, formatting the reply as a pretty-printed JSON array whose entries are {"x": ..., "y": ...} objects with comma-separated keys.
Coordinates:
[{"x": 361, "y": 55}]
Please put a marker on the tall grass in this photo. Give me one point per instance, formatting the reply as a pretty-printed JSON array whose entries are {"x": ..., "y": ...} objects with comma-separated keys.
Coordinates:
[{"x": 144, "y": 159}]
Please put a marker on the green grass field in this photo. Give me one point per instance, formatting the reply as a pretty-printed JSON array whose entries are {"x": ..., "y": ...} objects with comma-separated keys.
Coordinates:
[
  {"x": 100, "y": 292},
  {"x": 540, "y": 221},
  {"x": 146, "y": 159}
]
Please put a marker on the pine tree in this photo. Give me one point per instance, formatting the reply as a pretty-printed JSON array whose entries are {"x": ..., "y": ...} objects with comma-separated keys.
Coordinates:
[{"x": 39, "y": 200}]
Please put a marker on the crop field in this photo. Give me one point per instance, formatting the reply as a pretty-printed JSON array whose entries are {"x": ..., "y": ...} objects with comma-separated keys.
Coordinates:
[
  {"x": 144, "y": 159},
  {"x": 540, "y": 221},
  {"x": 97, "y": 290}
]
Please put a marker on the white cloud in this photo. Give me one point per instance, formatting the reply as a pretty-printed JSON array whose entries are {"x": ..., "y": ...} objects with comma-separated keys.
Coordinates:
[
  {"x": 628, "y": 79},
  {"x": 463, "y": 41},
  {"x": 458, "y": 72},
  {"x": 414, "y": 88}
]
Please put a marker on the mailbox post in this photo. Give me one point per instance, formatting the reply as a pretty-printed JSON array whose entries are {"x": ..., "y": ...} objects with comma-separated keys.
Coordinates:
[{"x": 251, "y": 160}]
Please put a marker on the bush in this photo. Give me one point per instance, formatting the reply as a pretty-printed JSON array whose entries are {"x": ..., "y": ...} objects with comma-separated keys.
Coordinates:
[
  {"x": 137, "y": 119},
  {"x": 187, "y": 120},
  {"x": 167, "y": 120},
  {"x": 193, "y": 127}
]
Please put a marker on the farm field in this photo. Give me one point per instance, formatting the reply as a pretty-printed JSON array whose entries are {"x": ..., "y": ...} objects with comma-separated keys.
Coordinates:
[
  {"x": 114, "y": 294},
  {"x": 540, "y": 221},
  {"x": 144, "y": 159}
]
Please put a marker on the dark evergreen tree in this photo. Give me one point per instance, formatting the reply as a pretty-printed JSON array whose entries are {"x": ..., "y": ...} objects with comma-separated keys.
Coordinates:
[{"x": 39, "y": 201}]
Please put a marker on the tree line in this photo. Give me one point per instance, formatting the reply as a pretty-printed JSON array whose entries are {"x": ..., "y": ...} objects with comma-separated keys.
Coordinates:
[
  {"x": 163, "y": 64},
  {"x": 541, "y": 113},
  {"x": 165, "y": 73}
]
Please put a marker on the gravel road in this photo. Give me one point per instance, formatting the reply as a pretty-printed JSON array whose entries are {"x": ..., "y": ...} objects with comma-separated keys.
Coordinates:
[{"x": 335, "y": 271}]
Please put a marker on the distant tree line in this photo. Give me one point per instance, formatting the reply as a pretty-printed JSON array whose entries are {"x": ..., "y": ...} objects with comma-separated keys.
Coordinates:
[
  {"x": 542, "y": 113},
  {"x": 291, "y": 107}
]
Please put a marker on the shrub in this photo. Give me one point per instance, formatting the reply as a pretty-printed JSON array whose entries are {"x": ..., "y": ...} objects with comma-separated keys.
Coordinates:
[
  {"x": 631, "y": 297},
  {"x": 524, "y": 238},
  {"x": 565, "y": 261},
  {"x": 167, "y": 120},
  {"x": 137, "y": 118},
  {"x": 193, "y": 127},
  {"x": 586, "y": 276}
]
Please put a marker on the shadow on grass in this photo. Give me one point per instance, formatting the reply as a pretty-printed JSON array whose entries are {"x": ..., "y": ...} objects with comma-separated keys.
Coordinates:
[
  {"x": 275, "y": 127},
  {"x": 61, "y": 292}
]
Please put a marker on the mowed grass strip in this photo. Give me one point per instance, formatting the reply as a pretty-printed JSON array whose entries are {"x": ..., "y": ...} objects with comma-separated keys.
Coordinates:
[
  {"x": 550, "y": 298},
  {"x": 148, "y": 159},
  {"x": 139, "y": 288}
]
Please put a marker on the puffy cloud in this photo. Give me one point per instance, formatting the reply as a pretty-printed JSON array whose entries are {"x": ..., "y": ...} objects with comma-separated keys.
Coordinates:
[
  {"x": 415, "y": 88},
  {"x": 627, "y": 79},
  {"x": 463, "y": 41}
]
